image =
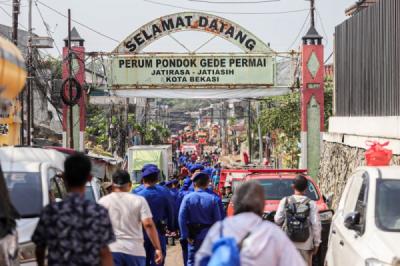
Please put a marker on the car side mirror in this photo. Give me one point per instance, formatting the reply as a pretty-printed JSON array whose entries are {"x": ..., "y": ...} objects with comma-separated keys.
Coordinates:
[
  {"x": 328, "y": 200},
  {"x": 352, "y": 221}
]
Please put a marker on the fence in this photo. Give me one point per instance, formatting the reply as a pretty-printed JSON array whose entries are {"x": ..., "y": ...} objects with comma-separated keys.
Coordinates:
[{"x": 367, "y": 62}]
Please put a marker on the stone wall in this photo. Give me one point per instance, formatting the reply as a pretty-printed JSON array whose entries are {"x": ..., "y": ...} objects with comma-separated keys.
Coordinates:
[{"x": 338, "y": 161}]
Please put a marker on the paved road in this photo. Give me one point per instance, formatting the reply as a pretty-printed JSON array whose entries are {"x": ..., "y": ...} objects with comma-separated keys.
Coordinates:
[{"x": 174, "y": 256}]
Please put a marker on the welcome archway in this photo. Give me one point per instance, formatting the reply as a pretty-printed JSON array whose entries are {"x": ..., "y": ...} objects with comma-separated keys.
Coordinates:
[{"x": 255, "y": 72}]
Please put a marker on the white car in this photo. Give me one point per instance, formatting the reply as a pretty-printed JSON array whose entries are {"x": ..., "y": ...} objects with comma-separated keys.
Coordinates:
[
  {"x": 365, "y": 229},
  {"x": 33, "y": 179},
  {"x": 31, "y": 187}
]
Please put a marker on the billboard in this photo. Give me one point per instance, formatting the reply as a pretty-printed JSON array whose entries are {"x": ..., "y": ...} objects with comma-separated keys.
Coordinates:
[{"x": 160, "y": 71}]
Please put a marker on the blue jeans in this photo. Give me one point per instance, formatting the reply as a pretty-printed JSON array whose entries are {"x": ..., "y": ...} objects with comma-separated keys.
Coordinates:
[
  {"x": 184, "y": 245},
  {"x": 122, "y": 259},
  {"x": 192, "y": 249},
  {"x": 150, "y": 252}
]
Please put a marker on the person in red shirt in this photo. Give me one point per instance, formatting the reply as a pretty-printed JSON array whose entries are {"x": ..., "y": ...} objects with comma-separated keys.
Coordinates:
[{"x": 245, "y": 158}]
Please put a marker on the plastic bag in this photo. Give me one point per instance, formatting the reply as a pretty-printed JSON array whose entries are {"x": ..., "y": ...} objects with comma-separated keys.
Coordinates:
[{"x": 377, "y": 155}]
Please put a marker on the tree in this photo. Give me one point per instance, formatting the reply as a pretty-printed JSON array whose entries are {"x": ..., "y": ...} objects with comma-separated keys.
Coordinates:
[
  {"x": 281, "y": 118},
  {"x": 100, "y": 131}
]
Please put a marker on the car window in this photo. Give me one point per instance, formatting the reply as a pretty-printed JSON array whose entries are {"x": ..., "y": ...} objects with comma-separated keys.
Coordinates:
[
  {"x": 89, "y": 193},
  {"x": 25, "y": 192},
  {"x": 387, "y": 206},
  {"x": 57, "y": 188},
  {"x": 353, "y": 193},
  {"x": 361, "y": 204},
  {"x": 277, "y": 189}
]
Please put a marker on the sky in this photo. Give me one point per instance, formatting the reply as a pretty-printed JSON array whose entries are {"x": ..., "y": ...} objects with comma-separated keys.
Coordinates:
[{"x": 119, "y": 18}]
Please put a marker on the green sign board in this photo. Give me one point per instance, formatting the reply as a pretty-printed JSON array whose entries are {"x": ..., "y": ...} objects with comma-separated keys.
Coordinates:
[{"x": 160, "y": 71}]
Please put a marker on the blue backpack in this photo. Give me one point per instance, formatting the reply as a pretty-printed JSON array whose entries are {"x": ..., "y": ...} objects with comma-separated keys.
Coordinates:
[{"x": 225, "y": 251}]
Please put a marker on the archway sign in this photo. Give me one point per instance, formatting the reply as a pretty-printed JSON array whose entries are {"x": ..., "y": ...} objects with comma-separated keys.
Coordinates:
[{"x": 256, "y": 72}]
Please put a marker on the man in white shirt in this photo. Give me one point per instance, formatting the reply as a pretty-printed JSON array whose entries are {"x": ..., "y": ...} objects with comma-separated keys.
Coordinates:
[
  {"x": 309, "y": 247},
  {"x": 129, "y": 214},
  {"x": 264, "y": 243}
]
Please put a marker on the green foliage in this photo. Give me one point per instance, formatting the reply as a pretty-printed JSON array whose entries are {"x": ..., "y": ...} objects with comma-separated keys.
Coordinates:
[
  {"x": 97, "y": 125},
  {"x": 156, "y": 134},
  {"x": 281, "y": 117},
  {"x": 54, "y": 65},
  {"x": 98, "y": 132}
]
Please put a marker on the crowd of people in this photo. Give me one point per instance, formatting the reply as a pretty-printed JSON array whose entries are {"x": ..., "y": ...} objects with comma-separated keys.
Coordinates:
[{"x": 130, "y": 226}]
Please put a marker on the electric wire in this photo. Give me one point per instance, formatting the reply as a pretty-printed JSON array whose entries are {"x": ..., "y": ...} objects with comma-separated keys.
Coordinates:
[
  {"x": 47, "y": 28},
  {"x": 234, "y": 2},
  {"x": 8, "y": 14},
  {"x": 329, "y": 57},
  {"x": 226, "y": 12},
  {"x": 323, "y": 27},
  {"x": 300, "y": 32},
  {"x": 79, "y": 23}
]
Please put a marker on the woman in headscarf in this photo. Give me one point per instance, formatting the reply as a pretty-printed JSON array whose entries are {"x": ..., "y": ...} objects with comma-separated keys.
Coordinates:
[{"x": 8, "y": 235}]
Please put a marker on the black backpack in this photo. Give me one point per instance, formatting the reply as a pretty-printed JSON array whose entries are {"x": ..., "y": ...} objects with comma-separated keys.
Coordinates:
[{"x": 297, "y": 222}]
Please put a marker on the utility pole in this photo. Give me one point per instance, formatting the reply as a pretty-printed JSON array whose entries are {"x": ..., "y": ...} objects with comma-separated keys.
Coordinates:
[
  {"x": 29, "y": 80},
  {"x": 260, "y": 142},
  {"x": 15, "y": 14},
  {"x": 312, "y": 10},
  {"x": 71, "y": 108},
  {"x": 249, "y": 129}
]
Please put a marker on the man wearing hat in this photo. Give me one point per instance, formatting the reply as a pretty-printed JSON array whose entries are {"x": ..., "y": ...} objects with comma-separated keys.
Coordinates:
[
  {"x": 162, "y": 208},
  {"x": 129, "y": 214},
  {"x": 198, "y": 212},
  {"x": 195, "y": 168}
]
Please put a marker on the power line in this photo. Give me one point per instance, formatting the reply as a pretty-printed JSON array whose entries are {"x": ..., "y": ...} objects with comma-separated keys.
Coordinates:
[
  {"x": 298, "y": 34},
  {"x": 329, "y": 57},
  {"x": 47, "y": 28},
  {"x": 226, "y": 12},
  {"x": 323, "y": 28},
  {"x": 79, "y": 23},
  {"x": 8, "y": 14},
  {"x": 234, "y": 2}
]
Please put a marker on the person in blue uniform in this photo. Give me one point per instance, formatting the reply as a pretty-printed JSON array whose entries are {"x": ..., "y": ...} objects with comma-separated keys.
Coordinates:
[
  {"x": 172, "y": 186},
  {"x": 183, "y": 191},
  {"x": 193, "y": 169},
  {"x": 198, "y": 212},
  {"x": 162, "y": 207}
]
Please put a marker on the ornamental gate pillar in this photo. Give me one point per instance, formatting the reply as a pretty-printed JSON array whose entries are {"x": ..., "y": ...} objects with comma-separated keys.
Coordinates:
[{"x": 312, "y": 101}]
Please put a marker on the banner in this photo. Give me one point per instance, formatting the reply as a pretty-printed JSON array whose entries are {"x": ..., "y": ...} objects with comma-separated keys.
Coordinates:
[{"x": 160, "y": 71}]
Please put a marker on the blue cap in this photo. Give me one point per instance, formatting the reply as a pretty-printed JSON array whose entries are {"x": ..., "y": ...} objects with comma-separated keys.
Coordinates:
[
  {"x": 208, "y": 170},
  {"x": 200, "y": 175},
  {"x": 186, "y": 183},
  {"x": 173, "y": 181},
  {"x": 196, "y": 167},
  {"x": 149, "y": 169}
]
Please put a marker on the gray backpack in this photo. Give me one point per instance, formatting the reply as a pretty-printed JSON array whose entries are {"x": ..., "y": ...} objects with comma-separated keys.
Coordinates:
[{"x": 297, "y": 222}]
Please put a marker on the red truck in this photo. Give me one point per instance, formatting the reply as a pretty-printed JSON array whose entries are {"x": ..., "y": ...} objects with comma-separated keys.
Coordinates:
[{"x": 277, "y": 185}]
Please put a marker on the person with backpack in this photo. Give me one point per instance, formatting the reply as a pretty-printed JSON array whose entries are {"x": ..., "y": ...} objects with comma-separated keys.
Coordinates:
[
  {"x": 245, "y": 239},
  {"x": 299, "y": 218}
]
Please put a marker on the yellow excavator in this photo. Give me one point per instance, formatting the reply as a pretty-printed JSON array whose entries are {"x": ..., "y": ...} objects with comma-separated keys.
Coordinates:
[{"x": 12, "y": 80}]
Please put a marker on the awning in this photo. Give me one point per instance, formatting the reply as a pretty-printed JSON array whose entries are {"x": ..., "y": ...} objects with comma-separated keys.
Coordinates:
[{"x": 201, "y": 93}]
